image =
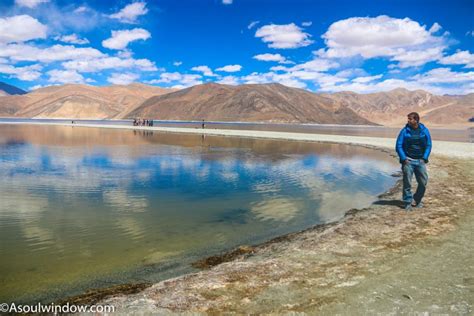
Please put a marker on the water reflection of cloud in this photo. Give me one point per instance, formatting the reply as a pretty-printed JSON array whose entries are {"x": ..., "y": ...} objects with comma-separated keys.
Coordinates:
[
  {"x": 335, "y": 203},
  {"x": 266, "y": 187},
  {"x": 229, "y": 176},
  {"x": 131, "y": 227},
  {"x": 120, "y": 200},
  {"x": 202, "y": 172},
  {"x": 279, "y": 209},
  {"x": 113, "y": 173},
  {"x": 228, "y": 169},
  {"x": 17, "y": 203},
  {"x": 361, "y": 166},
  {"x": 37, "y": 236},
  {"x": 27, "y": 210},
  {"x": 160, "y": 256},
  {"x": 142, "y": 175}
]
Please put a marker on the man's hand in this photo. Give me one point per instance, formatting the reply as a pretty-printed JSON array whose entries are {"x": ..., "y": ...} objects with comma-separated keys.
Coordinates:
[
  {"x": 425, "y": 160},
  {"x": 406, "y": 162}
]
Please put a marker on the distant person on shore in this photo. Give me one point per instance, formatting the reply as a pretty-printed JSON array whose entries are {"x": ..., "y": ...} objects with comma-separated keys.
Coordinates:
[
  {"x": 414, "y": 147},
  {"x": 203, "y": 125}
]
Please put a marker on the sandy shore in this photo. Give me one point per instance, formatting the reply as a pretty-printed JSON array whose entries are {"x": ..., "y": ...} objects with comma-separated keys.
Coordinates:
[{"x": 379, "y": 260}]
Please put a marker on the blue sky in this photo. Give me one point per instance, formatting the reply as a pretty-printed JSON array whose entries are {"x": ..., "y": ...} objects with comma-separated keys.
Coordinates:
[{"x": 321, "y": 46}]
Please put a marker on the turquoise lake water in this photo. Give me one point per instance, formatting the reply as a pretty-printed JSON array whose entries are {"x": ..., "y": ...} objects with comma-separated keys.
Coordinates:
[{"x": 84, "y": 208}]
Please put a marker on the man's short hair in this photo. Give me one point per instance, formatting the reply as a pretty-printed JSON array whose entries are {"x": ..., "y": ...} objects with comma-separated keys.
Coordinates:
[{"x": 415, "y": 115}]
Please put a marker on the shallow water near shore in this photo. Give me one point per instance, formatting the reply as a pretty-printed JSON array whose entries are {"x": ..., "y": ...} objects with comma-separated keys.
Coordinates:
[{"x": 85, "y": 208}]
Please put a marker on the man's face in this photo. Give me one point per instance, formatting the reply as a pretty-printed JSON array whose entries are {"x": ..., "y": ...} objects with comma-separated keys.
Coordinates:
[{"x": 412, "y": 122}]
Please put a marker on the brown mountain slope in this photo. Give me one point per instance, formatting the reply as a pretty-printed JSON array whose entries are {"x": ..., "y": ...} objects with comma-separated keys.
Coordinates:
[
  {"x": 454, "y": 113},
  {"x": 270, "y": 103},
  {"x": 78, "y": 101},
  {"x": 10, "y": 104},
  {"x": 70, "y": 101},
  {"x": 246, "y": 103},
  {"x": 390, "y": 108}
]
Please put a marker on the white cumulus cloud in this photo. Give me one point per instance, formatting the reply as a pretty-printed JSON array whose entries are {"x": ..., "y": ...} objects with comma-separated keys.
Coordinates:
[
  {"x": 72, "y": 38},
  {"x": 125, "y": 53},
  {"x": 316, "y": 65},
  {"x": 283, "y": 36},
  {"x": 24, "y": 52},
  {"x": 438, "y": 81},
  {"x": 297, "y": 75},
  {"x": 99, "y": 64},
  {"x": 178, "y": 80},
  {"x": 29, "y": 3},
  {"x": 366, "y": 79},
  {"x": 402, "y": 40},
  {"x": 21, "y": 28},
  {"x": 65, "y": 76},
  {"x": 459, "y": 58},
  {"x": 131, "y": 12},
  {"x": 230, "y": 68},
  {"x": 271, "y": 57},
  {"x": 252, "y": 24},
  {"x": 26, "y": 73},
  {"x": 205, "y": 70},
  {"x": 444, "y": 75},
  {"x": 352, "y": 72},
  {"x": 271, "y": 77},
  {"x": 410, "y": 58},
  {"x": 230, "y": 80},
  {"x": 435, "y": 28},
  {"x": 35, "y": 87},
  {"x": 81, "y": 9},
  {"x": 120, "y": 39},
  {"x": 122, "y": 78}
]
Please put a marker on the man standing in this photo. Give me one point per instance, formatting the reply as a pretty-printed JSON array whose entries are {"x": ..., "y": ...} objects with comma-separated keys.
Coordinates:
[{"x": 414, "y": 147}]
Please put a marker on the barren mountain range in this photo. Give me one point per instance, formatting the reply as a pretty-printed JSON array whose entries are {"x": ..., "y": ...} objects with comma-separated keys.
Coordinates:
[
  {"x": 78, "y": 101},
  {"x": 390, "y": 108},
  {"x": 247, "y": 103}
]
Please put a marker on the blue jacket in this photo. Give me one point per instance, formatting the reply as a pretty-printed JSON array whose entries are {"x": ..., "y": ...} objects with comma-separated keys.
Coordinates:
[{"x": 404, "y": 136}]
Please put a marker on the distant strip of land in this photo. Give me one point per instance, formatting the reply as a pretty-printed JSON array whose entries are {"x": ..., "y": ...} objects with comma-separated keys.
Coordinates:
[{"x": 443, "y": 148}]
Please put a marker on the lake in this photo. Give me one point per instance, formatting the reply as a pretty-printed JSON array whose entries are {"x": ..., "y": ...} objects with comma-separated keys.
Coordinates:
[
  {"x": 444, "y": 134},
  {"x": 84, "y": 208}
]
